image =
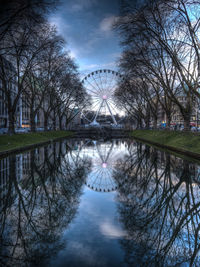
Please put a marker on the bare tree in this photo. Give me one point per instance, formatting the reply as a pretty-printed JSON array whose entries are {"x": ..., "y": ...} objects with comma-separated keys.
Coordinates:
[
  {"x": 13, "y": 11},
  {"x": 162, "y": 37}
]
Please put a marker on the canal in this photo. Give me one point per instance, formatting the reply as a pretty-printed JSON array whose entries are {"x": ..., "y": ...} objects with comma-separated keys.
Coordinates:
[{"x": 99, "y": 203}]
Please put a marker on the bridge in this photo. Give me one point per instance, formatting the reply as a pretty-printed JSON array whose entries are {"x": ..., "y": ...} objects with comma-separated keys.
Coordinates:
[{"x": 101, "y": 132}]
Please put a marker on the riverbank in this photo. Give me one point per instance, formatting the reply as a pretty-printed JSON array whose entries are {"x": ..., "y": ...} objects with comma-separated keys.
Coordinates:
[
  {"x": 184, "y": 143},
  {"x": 19, "y": 142}
]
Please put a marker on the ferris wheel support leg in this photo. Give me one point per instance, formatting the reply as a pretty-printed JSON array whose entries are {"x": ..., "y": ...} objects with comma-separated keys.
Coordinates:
[
  {"x": 113, "y": 118},
  {"x": 109, "y": 152},
  {"x": 98, "y": 111}
]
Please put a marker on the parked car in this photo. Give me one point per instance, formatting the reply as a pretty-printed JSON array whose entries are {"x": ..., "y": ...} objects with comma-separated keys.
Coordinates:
[
  {"x": 3, "y": 130},
  {"x": 40, "y": 129},
  {"x": 193, "y": 129},
  {"x": 22, "y": 130}
]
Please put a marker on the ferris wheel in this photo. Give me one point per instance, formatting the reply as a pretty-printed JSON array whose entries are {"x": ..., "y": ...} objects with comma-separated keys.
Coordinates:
[
  {"x": 99, "y": 159},
  {"x": 100, "y": 177},
  {"x": 100, "y": 86}
]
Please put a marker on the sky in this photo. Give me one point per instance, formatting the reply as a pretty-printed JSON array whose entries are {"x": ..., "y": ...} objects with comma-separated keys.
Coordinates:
[{"x": 86, "y": 26}]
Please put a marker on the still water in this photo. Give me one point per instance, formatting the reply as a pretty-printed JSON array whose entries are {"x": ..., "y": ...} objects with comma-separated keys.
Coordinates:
[{"x": 96, "y": 203}]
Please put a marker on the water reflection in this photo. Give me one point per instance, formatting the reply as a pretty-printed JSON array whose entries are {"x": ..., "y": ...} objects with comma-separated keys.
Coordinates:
[
  {"x": 103, "y": 156},
  {"x": 40, "y": 193},
  {"x": 159, "y": 206},
  {"x": 126, "y": 203}
]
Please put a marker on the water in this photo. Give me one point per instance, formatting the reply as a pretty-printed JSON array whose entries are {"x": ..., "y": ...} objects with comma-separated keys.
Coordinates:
[{"x": 96, "y": 203}]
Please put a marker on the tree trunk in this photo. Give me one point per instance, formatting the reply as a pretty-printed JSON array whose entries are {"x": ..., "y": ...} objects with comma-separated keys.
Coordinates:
[
  {"x": 186, "y": 113},
  {"x": 60, "y": 122},
  {"x": 11, "y": 123},
  {"x": 186, "y": 118},
  {"x": 66, "y": 122},
  {"x": 139, "y": 123},
  {"x": 147, "y": 120},
  {"x": 45, "y": 121},
  {"x": 54, "y": 121},
  {"x": 186, "y": 123},
  {"x": 54, "y": 124},
  {"x": 32, "y": 121},
  {"x": 168, "y": 121},
  {"x": 155, "y": 122}
]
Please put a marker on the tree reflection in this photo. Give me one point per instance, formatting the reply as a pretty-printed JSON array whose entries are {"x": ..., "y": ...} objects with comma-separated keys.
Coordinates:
[
  {"x": 39, "y": 198},
  {"x": 159, "y": 205}
]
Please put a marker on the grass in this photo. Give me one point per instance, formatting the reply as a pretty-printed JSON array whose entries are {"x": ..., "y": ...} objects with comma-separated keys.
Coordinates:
[
  {"x": 17, "y": 141},
  {"x": 179, "y": 140}
]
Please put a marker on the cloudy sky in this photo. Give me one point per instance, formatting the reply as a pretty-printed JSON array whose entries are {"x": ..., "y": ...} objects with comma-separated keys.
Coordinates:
[{"x": 86, "y": 25}]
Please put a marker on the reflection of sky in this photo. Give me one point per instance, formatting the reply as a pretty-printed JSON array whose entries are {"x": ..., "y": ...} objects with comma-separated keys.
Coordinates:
[
  {"x": 93, "y": 238},
  {"x": 86, "y": 25}
]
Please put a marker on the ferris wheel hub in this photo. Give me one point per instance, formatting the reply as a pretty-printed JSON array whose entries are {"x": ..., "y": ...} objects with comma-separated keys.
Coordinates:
[
  {"x": 104, "y": 97},
  {"x": 104, "y": 165}
]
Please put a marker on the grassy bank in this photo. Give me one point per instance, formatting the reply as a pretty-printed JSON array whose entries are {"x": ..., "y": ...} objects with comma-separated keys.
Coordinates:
[
  {"x": 17, "y": 141},
  {"x": 178, "y": 140}
]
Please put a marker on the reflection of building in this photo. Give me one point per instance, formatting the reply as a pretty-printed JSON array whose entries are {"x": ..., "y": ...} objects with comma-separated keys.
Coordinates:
[
  {"x": 4, "y": 177},
  {"x": 20, "y": 168}
]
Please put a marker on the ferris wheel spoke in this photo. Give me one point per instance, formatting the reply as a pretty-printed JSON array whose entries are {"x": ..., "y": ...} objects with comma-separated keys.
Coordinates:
[
  {"x": 109, "y": 152},
  {"x": 100, "y": 88},
  {"x": 93, "y": 116},
  {"x": 97, "y": 97},
  {"x": 104, "y": 152},
  {"x": 96, "y": 172},
  {"x": 110, "y": 82},
  {"x": 96, "y": 83},
  {"x": 100, "y": 155},
  {"x": 96, "y": 101},
  {"x": 108, "y": 182},
  {"x": 94, "y": 88},
  {"x": 94, "y": 105},
  {"x": 95, "y": 93},
  {"x": 112, "y": 86},
  {"x": 97, "y": 176},
  {"x": 113, "y": 118},
  {"x": 113, "y": 106},
  {"x": 101, "y": 84},
  {"x": 106, "y": 79}
]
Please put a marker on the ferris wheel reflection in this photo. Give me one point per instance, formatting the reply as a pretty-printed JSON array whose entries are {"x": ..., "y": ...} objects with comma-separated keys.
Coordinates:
[{"x": 103, "y": 157}]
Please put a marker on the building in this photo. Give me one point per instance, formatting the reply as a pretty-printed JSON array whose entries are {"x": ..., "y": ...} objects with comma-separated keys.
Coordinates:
[{"x": 176, "y": 116}]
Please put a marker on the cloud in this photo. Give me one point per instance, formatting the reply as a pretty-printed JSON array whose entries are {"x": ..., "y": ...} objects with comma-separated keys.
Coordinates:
[
  {"x": 72, "y": 54},
  {"x": 89, "y": 43},
  {"x": 106, "y": 25},
  {"x": 80, "y": 5},
  {"x": 86, "y": 254},
  {"x": 61, "y": 25},
  {"x": 108, "y": 229}
]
